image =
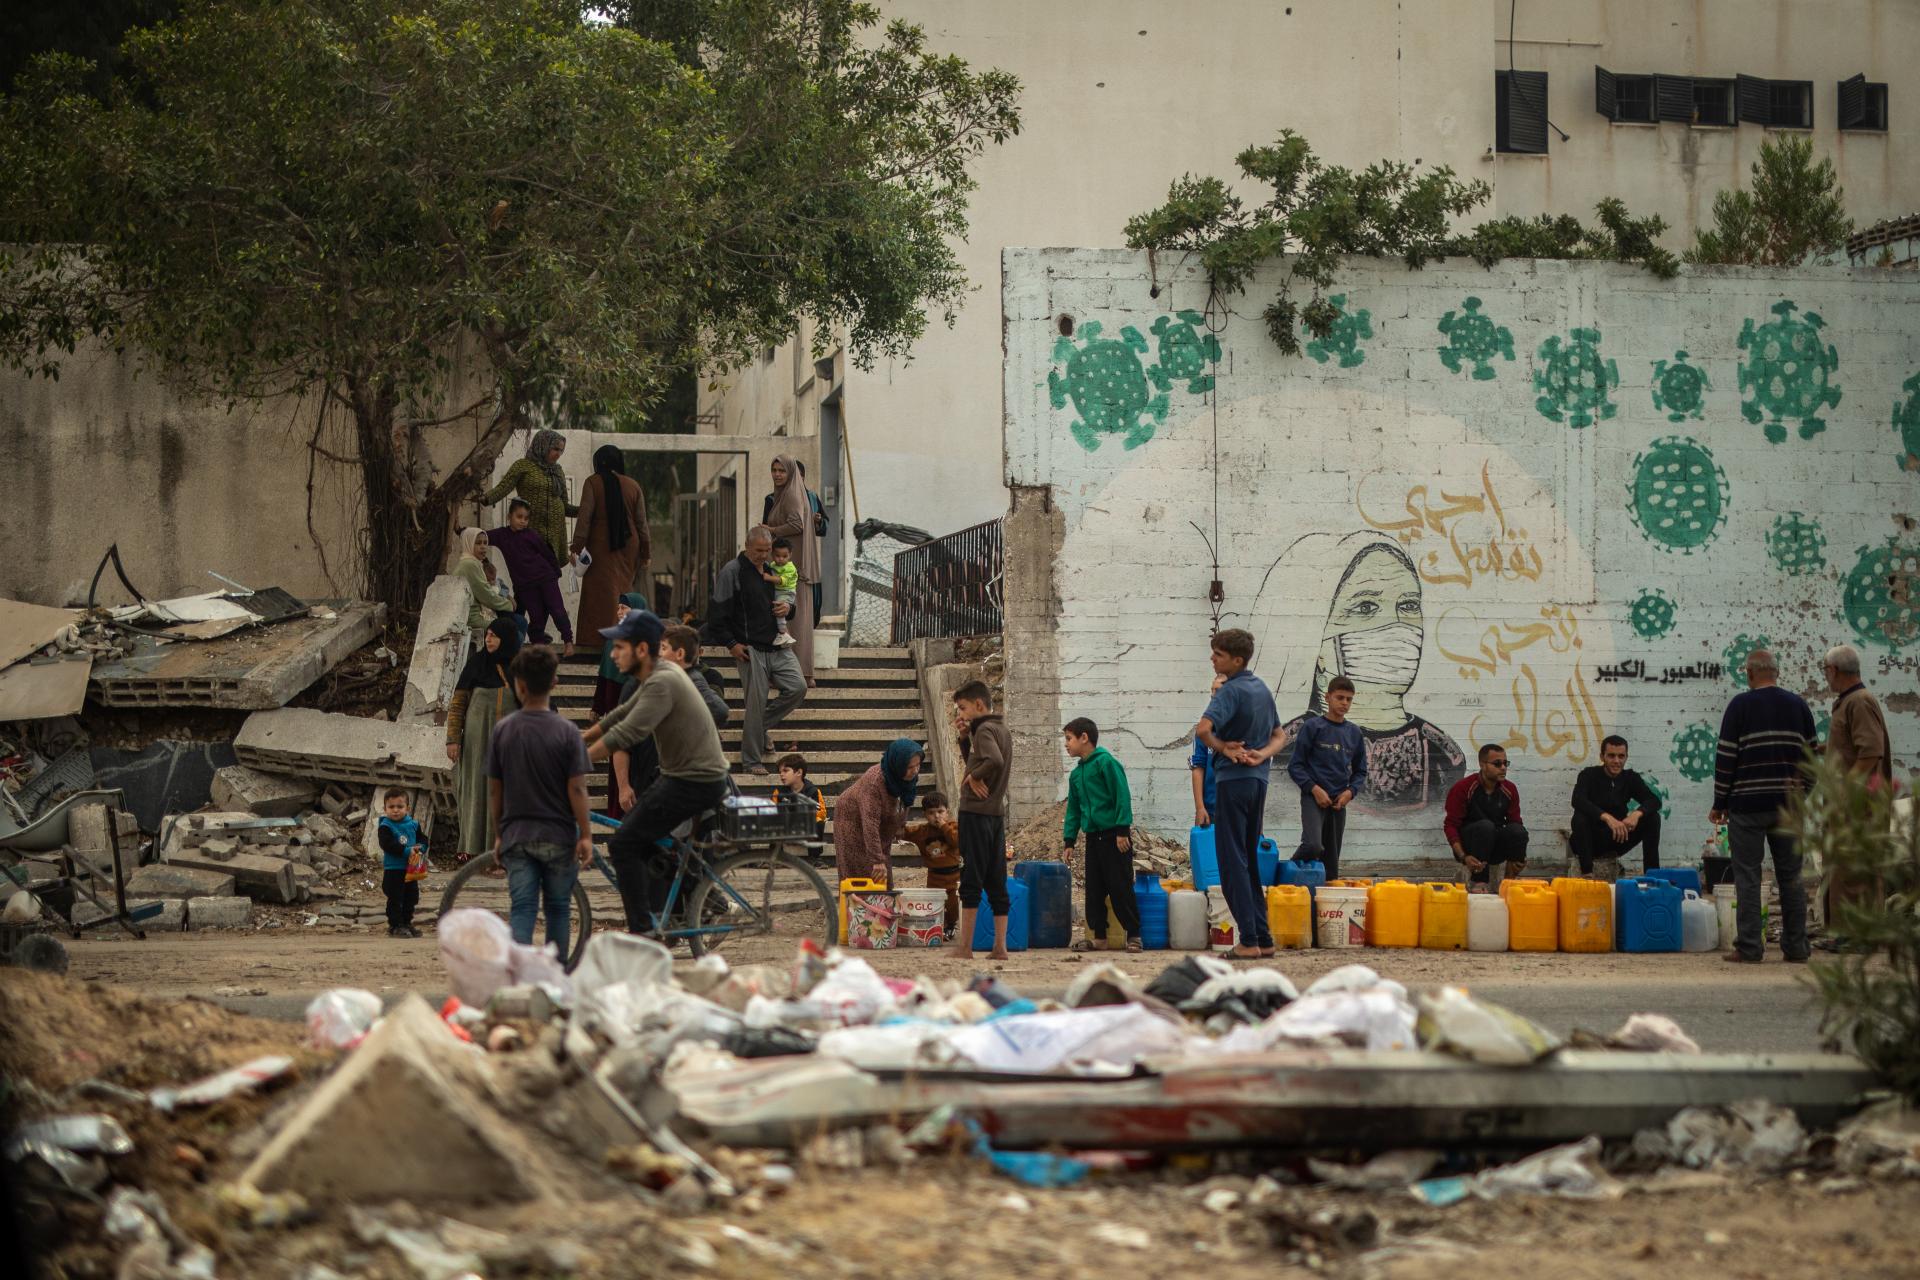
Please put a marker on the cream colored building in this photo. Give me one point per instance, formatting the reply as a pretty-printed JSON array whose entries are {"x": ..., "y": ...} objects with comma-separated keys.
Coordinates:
[{"x": 1122, "y": 96}]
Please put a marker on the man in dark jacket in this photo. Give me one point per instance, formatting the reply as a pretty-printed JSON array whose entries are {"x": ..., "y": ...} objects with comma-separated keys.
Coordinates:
[
  {"x": 1766, "y": 735},
  {"x": 1602, "y": 826},
  {"x": 1483, "y": 821},
  {"x": 741, "y": 618}
]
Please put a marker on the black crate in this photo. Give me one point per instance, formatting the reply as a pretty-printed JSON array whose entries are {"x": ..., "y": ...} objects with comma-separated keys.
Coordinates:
[{"x": 783, "y": 822}]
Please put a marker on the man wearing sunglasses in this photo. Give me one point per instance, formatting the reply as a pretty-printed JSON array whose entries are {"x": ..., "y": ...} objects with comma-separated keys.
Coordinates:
[{"x": 1483, "y": 822}]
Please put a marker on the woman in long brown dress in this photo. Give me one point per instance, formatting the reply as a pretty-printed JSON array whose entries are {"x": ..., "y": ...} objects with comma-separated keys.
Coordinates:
[
  {"x": 871, "y": 813},
  {"x": 792, "y": 518},
  {"x": 612, "y": 528}
]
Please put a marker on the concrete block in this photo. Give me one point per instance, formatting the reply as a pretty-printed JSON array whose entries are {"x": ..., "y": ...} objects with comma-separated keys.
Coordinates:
[
  {"x": 268, "y": 795},
  {"x": 304, "y": 879},
  {"x": 87, "y": 831},
  {"x": 219, "y": 849},
  {"x": 268, "y": 879},
  {"x": 440, "y": 647},
  {"x": 323, "y": 828},
  {"x": 346, "y": 748},
  {"x": 406, "y": 1107},
  {"x": 219, "y": 913},
  {"x": 172, "y": 917},
  {"x": 163, "y": 880}
]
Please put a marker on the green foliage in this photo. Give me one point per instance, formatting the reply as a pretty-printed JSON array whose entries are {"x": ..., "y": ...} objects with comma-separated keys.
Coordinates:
[
  {"x": 1317, "y": 212},
  {"x": 1871, "y": 991},
  {"x": 1619, "y": 237},
  {"x": 1794, "y": 211},
  {"x": 487, "y": 203}
]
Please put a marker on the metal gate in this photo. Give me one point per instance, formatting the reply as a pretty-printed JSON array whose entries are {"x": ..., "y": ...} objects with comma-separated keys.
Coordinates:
[{"x": 704, "y": 534}]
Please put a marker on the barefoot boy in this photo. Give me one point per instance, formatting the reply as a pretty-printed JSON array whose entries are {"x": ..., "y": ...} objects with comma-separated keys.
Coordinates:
[{"x": 1243, "y": 731}]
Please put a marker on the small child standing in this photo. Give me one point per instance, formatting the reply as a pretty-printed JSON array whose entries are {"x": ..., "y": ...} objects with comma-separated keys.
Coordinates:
[
  {"x": 1098, "y": 802},
  {"x": 986, "y": 747},
  {"x": 784, "y": 576},
  {"x": 403, "y": 863},
  {"x": 1330, "y": 767},
  {"x": 793, "y": 782},
  {"x": 536, "y": 582},
  {"x": 938, "y": 840},
  {"x": 1200, "y": 765}
]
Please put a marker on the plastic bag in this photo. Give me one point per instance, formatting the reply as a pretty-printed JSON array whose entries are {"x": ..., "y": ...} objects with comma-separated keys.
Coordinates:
[
  {"x": 1351, "y": 977},
  {"x": 1454, "y": 1022},
  {"x": 477, "y": 948},
  {"x": 898, "y": 1046},
  {"x": 1379, "y": 1018},
  {"x": 1247, "y": 994},
  {"x": 417, "y": 863},
  {"x": 1110, "y": 1037},
  {"x": 241, "y": 1079},
  {"x": 1653, "y": 1033},
  {"x": 340, "y": 1018},
  {"x": 1222, "y": 931}
]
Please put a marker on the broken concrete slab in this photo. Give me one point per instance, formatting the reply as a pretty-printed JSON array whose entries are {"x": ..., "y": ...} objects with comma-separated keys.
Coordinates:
[
  {"x": 440, "y": 647},
  {"x": 322, "y": 744},
  {"x": 161, "y": 880},
  {"x": 266, "y": 879},
  {"x": 219, "y": 913},
  {"x": 166, "y": 777},
  {"x": 304, "y": 880},
  {"x": 256, "y": 668},
  {"x": 407, "y": 1107},
  {"x": 87, "y": 829},
  {"x": 218, "y": 849},
  {"x": 268, "y": 795}
]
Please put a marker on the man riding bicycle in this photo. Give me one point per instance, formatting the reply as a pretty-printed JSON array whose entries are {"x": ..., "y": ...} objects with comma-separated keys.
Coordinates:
[{"x": 693, "y": 770}]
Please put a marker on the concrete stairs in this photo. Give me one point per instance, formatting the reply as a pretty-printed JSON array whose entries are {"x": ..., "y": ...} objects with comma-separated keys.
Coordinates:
[{"x": 842, "y": 728}]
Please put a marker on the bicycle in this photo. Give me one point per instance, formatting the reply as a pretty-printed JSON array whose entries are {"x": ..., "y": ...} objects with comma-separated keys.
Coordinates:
[{"x": 730, "y": 887}]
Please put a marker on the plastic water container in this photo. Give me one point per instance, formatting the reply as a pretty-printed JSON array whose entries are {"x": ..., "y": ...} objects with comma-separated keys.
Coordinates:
[
  {"x": 1646, "y": 915},
  {"x": 1153, "y": 910},
  {"x": 1533, "y": 915},
  {"x": 858, "y": 885},
  {"x": 1393, "y": 914},
  {"x": 1351, "y": 882},
  {"x": 1679, "y": 877},
  {"x": 1266, "y": 857},
  {"x": 1187, "y": 920},
  {"x": 1202, "y": 858},
  {"x": 1699, "y": 923},
  {"x": 1340, "y": 915},
  {"x": 1018, "y": 916},
  {"x": 1488, "y": 922},
  {"x": 1586, "y": 913},
  {"x": 1727, "y": 912},
  {"x": 1049, "y": 902},
  {"x": 1443, "y": 917},
  {"x": 1310, "y": 874},
  {"x": 1290, "y": 916}
]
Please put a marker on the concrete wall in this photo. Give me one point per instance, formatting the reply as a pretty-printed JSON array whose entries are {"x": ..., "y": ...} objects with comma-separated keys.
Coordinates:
[
  {"x": 1119, "y": 98},
  {"x": 1579, "y": 530},
  {"x": 109, "y": 454}
]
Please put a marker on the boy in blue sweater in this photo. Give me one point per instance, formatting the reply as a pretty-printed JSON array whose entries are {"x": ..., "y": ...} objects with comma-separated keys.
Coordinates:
[
  {"x": 1330, "y": 768},
  {"x": 403, "y": 863}
]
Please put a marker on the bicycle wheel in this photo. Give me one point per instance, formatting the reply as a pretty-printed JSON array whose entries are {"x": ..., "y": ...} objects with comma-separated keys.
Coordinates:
[
  {"x": 761, "y": 904},
  {"x": 491, "y": 895}
]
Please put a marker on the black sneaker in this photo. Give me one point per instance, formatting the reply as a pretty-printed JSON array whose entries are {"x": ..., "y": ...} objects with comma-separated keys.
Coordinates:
[
  {"x": 414, "y": 933},
  {"x": 396, "y": 931},
  {"x": 1734, "y": 957}
]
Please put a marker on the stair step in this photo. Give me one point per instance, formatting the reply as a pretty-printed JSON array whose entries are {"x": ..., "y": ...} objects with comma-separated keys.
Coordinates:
[
  {"x": 565, "y": 695},
  {"x": 790, "y": 732}
]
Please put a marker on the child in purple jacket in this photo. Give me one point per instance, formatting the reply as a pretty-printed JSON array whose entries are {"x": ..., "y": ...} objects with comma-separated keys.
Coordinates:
[{"x": 536, "y": 580}]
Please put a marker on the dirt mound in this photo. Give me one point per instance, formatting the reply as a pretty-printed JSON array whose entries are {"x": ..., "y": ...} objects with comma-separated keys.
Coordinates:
[{"x": 1038, "y": 840}]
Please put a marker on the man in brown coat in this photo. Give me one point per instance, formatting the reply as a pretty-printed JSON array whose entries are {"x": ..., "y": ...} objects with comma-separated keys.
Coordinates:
[{"x": 1858, "y": 740}]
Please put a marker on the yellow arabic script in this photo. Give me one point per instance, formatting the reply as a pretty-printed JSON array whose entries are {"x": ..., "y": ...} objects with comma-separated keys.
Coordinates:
[{"x": 1506, "y": 555}]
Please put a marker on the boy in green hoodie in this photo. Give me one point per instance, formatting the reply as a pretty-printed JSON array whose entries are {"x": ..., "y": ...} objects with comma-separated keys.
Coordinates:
[{"x": 1099, "y": 804}]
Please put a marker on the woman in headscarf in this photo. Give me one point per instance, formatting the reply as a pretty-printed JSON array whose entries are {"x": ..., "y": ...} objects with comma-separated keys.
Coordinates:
[
  {"x": 540, "y": 483},
  {"x": 476, "y": 570},
  {"x": 791, "y": 517},
  {"x": 1361, "y": 614},
  {"x": 871, "y": 813},
  {"x": 483, "y": 694},
  {"x": 612, "y": 528}
]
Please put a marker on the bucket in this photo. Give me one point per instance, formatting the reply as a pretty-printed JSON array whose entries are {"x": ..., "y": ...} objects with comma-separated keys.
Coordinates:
[
  {"x": 1221, "y": 933},
  {"x": 1340, "y": 916},
  {"x": 1487, "y": 922},
  {"x": 873, "y": 924},
  {"x": 1727, "y": 914},
  {"x": 920, "y": 904},
  {"x": 1290, "y": 916},
  {"x": 1187, "y": 920}
]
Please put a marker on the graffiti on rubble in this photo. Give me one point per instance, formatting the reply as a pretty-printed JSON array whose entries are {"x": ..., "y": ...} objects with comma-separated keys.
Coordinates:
[{"x": 1788, "y": 373}]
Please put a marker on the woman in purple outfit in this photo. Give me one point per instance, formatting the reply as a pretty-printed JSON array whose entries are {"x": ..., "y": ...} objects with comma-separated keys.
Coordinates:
[{"x": 536, "y": 583}]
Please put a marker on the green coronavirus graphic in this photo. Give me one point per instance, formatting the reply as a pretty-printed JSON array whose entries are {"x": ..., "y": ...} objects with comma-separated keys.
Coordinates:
[
  {"x": 1881, "y": 597},
  {"x": 1473, "y": 339},
  {"x": 1680, "y": 389},
  {"x": 1734, "y": 657},
  {"x": 1906, "y": 421},
  {"x": 1185, "y": 353},
  {"x": 1822, "y": 725},
  {"x": 1693, "y": 751},
  {"x": 1659, "y": 789},
  {"x": 1678, "y": 495},
  {"x": 1343, "y": 340},
  {"x": 1796, "y": 544},
  {"x": 1788, "y": 373},
  {"x": 1574, "y": 380},
  {"x": 1111, "y": 387},
  {"x": 1652, "y": 614}
]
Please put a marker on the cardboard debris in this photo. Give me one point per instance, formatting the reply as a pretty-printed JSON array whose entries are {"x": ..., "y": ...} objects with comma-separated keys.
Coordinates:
[
  {"x": 43, "y": 690},
  {"x": 26, "y": 628}
]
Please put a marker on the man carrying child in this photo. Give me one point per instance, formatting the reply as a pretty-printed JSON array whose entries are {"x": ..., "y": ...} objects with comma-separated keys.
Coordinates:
[
  {"x": 1329, "y": 766},
  {"x": 986, "y": 747},
  {"x": 1099, "y": 803}
]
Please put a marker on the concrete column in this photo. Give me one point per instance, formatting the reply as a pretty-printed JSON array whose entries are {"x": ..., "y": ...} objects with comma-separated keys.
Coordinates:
[{"x": 1035, "y": 531}]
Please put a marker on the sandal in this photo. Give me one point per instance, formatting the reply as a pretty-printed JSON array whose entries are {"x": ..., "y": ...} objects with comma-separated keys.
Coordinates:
[
  {"x": 1134, "y": 946},
  {"x": 1248, "y": 954},
  {"x": 1087, "y": 944}
]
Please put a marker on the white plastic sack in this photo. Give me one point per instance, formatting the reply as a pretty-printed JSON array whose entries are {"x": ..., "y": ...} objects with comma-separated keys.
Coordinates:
[
  {"x": 898, "y": 1046},
  {"x": 337, "y": 1019},
  {"x": 1352, "y": 977},
  {"x": 851, "y": 995},
  {"x": 1109, "y": 1037},
  {"x": 477, "y": 948},
  {"x": 1653, "y": 1033},
  {"x": 1454, "y": 1022},
  {"x": 1572, "y": 1170},
  {"x": 1379, "y": 1018}
]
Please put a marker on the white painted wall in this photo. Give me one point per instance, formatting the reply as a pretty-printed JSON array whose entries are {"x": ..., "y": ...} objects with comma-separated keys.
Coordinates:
[{"x": 1504, "y": 544}]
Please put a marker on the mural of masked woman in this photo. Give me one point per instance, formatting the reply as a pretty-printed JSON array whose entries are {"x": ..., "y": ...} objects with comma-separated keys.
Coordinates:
[{"x": 1352, "y": 606}]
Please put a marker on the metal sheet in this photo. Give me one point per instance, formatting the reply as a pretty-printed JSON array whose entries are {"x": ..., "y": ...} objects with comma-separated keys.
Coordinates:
[{"x": 43, "y": 690}]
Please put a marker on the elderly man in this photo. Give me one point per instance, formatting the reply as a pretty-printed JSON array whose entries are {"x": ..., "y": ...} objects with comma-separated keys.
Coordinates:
[
  {"x": 1765, "y": 736},
  {"x": 740, "y": 618},
  {"x": 1602, "y": 824},
  {"x": 1858, "y": 741}
]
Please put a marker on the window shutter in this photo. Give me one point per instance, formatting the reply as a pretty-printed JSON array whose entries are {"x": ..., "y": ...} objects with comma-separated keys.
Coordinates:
[
  {"x": 1606, "y": 97},
  {"x": 1527, "y": 112},
  {"x": 1673, "y": 98},
  {"x": 1753, "y": 100},
  {"x": 1853, "y": 102}
]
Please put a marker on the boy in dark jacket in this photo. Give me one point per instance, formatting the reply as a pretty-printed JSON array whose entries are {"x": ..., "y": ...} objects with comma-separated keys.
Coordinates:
[
  {"x": 1330, "y": 767},
  {"x": 986, "y": 746},
  {"x": 793, "y": 782},
  {"x": 1099, "y": 803}
]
